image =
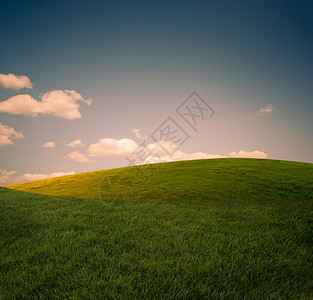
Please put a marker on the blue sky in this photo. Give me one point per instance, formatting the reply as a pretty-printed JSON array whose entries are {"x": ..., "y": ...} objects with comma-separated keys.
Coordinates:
[{"x": 138, "y": 61}]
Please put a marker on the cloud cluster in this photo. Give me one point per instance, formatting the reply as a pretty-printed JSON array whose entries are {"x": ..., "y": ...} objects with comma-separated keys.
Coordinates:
[
  {"x": 59, "y": 103},
  {"x": 7, "y": 135},
  {"x": 109, "y": 147},
  {"x": 245, "y": 154},
  {"x": 14, "y": 82},
  {"x": 154, "y": 152},
  {"x": 66, "y": 104},
  {"x": 9, "y": 177}
]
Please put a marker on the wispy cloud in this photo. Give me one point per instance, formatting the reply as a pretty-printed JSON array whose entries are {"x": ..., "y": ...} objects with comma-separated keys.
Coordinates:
[
  {"x": 48, "y": 145},
  {"x": 77, "y": 156},
  {"x": 31, "y": 177},
  {"x": 7, "y": 135},
  {"x": 267, "y": 109},
  {"x": 138, "y": 135},
  {"x": 6, "y": 177},
  {"x": 11, "y": 81},
  {"x": 59, "y": 103},
  {"x": 246, "y": 154},
  {"x": 9, "y": 177},
  {"x": 75, "y": 144}
]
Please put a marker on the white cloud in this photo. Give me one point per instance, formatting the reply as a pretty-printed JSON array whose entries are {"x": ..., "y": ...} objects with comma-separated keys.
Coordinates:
[
  {"x": 161, "y": 153},
  {"x": 157, "y": 152},
  {"x": 14, "y": 82},
  {"x": 138, "y": 135},
  {"x": 31, "y": 177},
  {"x": 245, "y": 154},
  {"x": 59, "y": 103},
  {"x": 77, "y": 156},
  {"x": 75, "y": 143},
  {"x": 108, "y": 147},
  {"x": 7, "y": 135},
  {"x": 267, "y": 109},
  {"x": 179, "y": 155},
  {"x": 48, "y": 145},
  {"x": 8, "y": 177}
]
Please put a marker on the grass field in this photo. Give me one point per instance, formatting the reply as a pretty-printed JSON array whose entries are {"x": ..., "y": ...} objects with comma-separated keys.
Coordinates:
[{"x": 218, "y": 229}]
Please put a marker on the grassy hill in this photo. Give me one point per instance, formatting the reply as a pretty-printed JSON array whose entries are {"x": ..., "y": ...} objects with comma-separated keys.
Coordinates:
[
  {"x": 191, "y": 181},
  {"x": 218, "y": 229}
]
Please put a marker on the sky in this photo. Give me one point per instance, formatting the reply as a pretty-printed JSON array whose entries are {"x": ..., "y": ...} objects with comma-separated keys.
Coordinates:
[{"x": 91, "y": 85}]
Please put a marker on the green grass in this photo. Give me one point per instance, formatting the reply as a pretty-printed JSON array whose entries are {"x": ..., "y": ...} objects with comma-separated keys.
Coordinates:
[{"x": 218, "y": 229}]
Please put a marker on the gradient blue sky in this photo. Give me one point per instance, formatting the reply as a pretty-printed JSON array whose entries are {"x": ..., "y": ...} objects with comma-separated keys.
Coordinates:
[{"x": 140, "y": 60}]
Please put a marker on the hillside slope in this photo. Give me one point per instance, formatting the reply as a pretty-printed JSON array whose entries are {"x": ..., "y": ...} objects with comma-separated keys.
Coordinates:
[
  {"x": 73, "y": 248},
  {"x": 196, "y": 181}
]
